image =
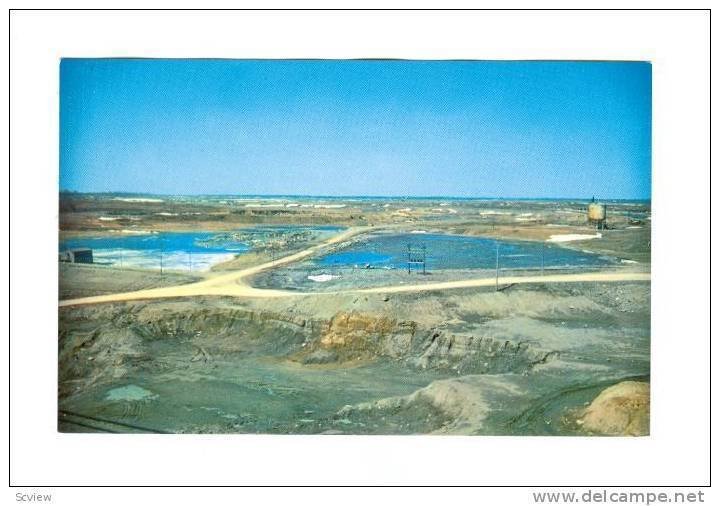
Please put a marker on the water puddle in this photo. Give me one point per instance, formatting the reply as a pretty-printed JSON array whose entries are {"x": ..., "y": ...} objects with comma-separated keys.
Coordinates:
[{"x": 130, "y": 393}]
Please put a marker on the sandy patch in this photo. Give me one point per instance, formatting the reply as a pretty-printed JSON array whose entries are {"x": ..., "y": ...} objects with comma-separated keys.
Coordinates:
[
  {"x": 123, "y": 199},
  {"x": 322, "y": 278},
  {"x": 573, "y": 237}
]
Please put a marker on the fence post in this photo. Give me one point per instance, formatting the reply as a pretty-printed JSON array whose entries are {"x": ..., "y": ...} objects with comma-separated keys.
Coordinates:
[
  {"x": 161, "y": 256},
  {"x": 497, "y": 265}
]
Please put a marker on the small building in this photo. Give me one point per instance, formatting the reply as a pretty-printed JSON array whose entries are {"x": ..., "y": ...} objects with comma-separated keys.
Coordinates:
[{"x": 77, "y": 256}]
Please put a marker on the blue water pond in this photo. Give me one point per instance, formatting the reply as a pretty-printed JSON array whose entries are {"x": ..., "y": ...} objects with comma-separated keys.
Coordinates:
[
  {"x": 457, "y": 252},
  {"x": 184, "y": 251}
]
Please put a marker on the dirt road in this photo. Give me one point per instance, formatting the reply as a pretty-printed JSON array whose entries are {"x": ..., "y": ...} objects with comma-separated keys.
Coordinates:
[
  {"x": 601, "y": 277},
  {"x": 224, "y": 284},
  {"x": 233, "y": 284}
]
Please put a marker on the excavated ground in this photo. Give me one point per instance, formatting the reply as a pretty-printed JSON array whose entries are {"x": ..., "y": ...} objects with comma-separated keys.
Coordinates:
[{"x": 521, "y": 361}]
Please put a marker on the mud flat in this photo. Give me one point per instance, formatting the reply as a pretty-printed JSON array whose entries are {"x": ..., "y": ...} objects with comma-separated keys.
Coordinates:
[{"x": 85, "y": 280}]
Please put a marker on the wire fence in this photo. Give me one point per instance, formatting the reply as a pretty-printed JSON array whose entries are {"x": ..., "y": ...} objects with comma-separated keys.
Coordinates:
[{"x": 419, "y": 260}]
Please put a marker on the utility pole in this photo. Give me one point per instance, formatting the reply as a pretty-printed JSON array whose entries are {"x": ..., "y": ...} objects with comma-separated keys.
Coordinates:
[
  {"x": 497, "y": 265},
  {"x": 424, "y": 247},
  {"x": 409, "y": 257},
  {"x": 161, "y": 257}
]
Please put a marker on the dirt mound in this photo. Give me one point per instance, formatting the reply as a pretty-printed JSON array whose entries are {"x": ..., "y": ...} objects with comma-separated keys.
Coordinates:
[
  {"x": 450, "y": 406},
  {"x": 620, "y": 410}
]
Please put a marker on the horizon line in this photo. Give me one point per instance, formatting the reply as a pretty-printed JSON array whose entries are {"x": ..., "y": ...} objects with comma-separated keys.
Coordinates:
[{"x": 300, "y": 195}]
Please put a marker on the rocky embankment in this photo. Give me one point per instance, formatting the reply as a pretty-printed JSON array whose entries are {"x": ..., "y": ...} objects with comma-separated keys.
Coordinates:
[
  {"x": 93, "y": 351},
  {"x": 355, "y": 335}
]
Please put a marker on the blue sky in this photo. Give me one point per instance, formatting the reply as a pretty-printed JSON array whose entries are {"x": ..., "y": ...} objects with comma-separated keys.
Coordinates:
[{"x": 406, "y": 128}]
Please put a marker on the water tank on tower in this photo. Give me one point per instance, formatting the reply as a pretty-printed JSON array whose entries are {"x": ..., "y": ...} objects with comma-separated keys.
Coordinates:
[{"x": 597, "y": 214}]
